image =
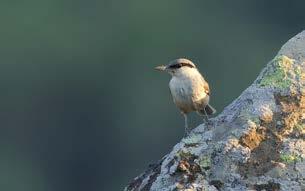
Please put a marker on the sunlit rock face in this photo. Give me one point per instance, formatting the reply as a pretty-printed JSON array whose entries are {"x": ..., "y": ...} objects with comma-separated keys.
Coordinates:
[{"x": 256, "y": 143}]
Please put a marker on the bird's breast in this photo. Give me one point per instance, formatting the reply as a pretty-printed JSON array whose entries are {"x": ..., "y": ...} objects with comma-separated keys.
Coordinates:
[
  {"x": 188, "y": 93},
  {"x": 182, "y": 92}
]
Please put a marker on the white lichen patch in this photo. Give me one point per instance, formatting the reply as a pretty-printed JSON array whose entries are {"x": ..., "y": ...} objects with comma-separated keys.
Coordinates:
[
  {"x": 249, "y": 116},
  {"x": 192, "y": 139},
  {"x": 300, "y": 147},
  {"x": 300, "y": 167}
]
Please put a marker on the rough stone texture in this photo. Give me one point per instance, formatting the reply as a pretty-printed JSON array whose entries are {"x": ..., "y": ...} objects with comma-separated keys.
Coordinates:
[{"x": 256, "y": 143}]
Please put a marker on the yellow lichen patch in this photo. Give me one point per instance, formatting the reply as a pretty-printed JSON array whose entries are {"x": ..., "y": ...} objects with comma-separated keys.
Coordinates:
[
  {"x": 278, "y": 77},
  {"x": 284, "y": 62},
  {"x": 289, "y": 158},
  {"x": 298, "y": 72}
]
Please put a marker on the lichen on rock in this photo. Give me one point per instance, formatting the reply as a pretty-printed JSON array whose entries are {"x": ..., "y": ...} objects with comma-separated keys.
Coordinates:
[
  {"x": 256, "y": 143},
  {"x": 278, "y": 76}
]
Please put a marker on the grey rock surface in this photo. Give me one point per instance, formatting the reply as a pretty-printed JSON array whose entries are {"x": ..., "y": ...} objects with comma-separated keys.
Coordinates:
[{"x": 256, "y": 143}]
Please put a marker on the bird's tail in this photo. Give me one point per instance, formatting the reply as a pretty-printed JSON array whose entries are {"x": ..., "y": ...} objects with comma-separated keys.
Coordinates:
[{"x": 208, "y": 110}]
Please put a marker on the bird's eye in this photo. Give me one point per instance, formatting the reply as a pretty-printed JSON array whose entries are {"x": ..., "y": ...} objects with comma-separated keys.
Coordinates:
[{"x": 176, "y": 66}]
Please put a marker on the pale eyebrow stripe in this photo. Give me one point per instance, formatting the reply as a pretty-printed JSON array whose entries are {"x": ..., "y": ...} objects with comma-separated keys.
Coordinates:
[{"x": 187, "y": 64}]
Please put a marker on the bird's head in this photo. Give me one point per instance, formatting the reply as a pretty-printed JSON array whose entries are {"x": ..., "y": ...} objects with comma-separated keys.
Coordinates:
[{"x": 178, "y": 67}]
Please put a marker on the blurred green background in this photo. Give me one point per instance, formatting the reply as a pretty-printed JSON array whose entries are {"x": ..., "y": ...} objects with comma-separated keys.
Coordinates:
[{"x": 82, "y": 108}]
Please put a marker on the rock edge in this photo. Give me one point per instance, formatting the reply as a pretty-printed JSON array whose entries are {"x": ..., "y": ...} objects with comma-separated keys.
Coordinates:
[{"x": 256, "y": 143}]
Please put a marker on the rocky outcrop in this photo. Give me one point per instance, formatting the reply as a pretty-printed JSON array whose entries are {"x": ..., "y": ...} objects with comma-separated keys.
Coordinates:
[{"x": 256, "y": 143}]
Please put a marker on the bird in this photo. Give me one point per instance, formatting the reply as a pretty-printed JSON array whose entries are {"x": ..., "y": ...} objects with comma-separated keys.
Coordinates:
[{"x": 189, "y": 90}]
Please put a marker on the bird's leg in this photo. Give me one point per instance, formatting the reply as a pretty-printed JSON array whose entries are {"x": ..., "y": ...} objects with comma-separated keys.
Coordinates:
[
  {"x": 206, "y": 117},
  {"x": 186, "y": 129}
]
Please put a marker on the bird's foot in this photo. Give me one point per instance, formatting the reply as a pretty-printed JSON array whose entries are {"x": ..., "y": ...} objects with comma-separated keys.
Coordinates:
[
  {"x": 186, "y": 132},
  {"x": 208, "y": 123}
]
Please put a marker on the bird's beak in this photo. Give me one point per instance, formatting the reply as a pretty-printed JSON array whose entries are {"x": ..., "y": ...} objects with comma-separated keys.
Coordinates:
[{"x": 160, "y": 68}]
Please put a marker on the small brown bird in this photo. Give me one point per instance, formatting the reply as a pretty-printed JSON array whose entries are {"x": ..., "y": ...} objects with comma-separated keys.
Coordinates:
[{"x": 189, "y": 90}]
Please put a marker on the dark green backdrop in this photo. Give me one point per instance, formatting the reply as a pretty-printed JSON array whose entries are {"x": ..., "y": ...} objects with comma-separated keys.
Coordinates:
[{"x": 82, "y": 108}]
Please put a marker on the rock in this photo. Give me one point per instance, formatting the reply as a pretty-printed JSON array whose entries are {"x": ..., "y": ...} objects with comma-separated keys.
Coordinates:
[{"x": 256, "y": 143}]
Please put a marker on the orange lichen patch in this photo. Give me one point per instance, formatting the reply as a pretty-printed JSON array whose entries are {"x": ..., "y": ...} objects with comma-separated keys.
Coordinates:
[
  {"x": 292, "y": 109},
  {"x": 266, "y": 114},
  {"x": 184, "y": 166},
  {"x": 188, "y": 166},
  {"x": 290, "y": 122},
  {"x": 288, "y": 107},
  {"x": 261, "y": 159},
  {"x": 265, "y": 142},
  {"x": 302, "y": 102},
  {"x": 188, "y": 169},
  {"x": 253, "y": 138}
]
